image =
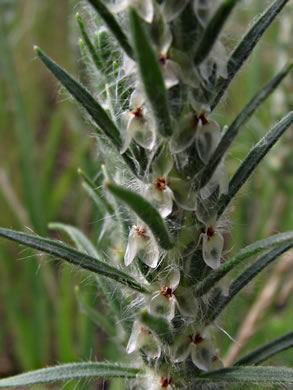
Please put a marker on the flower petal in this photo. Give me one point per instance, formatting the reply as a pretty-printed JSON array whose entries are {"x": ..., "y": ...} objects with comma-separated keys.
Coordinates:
[
  {"x": 186, "y": 302},
  {"x": 181, "y": 349},
  {"x": 173, "y": 8},
  {"x": 162, "y": 306},
  {"x": 170, "y": 72},
  {"x": 212, "y": 249},
  {"x": 148, "y": 251},
  {"x": 131, "y": 248},
  {"x": 184, "y": 195},
  {"x": 161, "y": 200},
  {"x": 201, "y": 355},
  {"x": 172, "y": 278},
  {"x": 133, "y": 342},
  {"x": 185, "y": 133},
  {"x": 207, "y": 138},
  {"x": 144, "y": 8},
  {"x": 136, "y": 99}
]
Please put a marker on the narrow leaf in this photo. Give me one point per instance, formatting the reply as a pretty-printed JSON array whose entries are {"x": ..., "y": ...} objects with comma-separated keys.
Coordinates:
[
  {"x": 247, "y": 275},
  {"x": 277, "y": 239},
  {"x": 267, "y": 350},
  {"x": 252, "y": 160},
  {"x": 101, "y": 198},
  {"x": 68, "y": 372},
  {"x": 233, "y": 130},
  {"x": 212, "y": 31},
  {"x": 82, "y": 243},
  {"x": 113, "y": 25},
  {"x": 73, "y": 256},
  {"x": 151, "y": 75},
  {"x": 245, "y": 47},
  {"x": 88, "y": 102},
  {"x": 145, "y": 211},
  {"x": 93, "y": 53},
  {"x": 99, "y": 319},
  {"x": 247, "y": 375}
]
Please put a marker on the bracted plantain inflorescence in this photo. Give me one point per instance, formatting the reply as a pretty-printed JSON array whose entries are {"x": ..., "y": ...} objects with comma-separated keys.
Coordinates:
[{"x": 159, "y": 70}]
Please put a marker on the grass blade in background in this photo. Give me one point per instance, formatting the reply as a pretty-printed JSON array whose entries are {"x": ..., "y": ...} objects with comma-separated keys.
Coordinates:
[
  {"x": 213, "y": 30},
  {"x": 151, "y": 75},
  {"x": 70, "y": 371},
  {"x": 253, "y": 158},
  {"x": 266, "y": 351},
  {"x": 25, "y": 139},
  {"x": 73, "y": 256},
  {"x": 246, "y": 46}
]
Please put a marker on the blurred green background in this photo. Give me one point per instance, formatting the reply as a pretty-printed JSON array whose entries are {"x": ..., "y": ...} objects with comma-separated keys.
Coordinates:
[{"x": 44, "y": 139}]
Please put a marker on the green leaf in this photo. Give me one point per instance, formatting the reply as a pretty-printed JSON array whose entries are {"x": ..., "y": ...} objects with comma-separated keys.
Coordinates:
[
  {"x": 252, "y": 160},
  {"x": 82, "y": 243},
  {"x": 73, "y": 256},
  {"x": 97, "y": 196},
  {"x": 267, "y": 350},
  {"x": 158, "y": 325},
  {"x": 93, "y": 108},
  {"x": 71, "y": 371},
  {"x": 100, "y": 319},
  {"x": 145, "y": 211},
  {"x": 113, "y": 25},
  {"x": 246, "y": 46},
  {"x": 241, "y": 375},
  {"x": 151, "y": 75},
  {"x": 247, "y": 275},
  {"x": 212, "y": 31},
  {"x": 93, "y": 53},
  {"x": 233, "y": 130},
  {"x": 277, "y": 239}
]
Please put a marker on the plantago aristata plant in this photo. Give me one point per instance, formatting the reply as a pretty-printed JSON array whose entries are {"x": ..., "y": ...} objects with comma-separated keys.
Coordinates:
[{"x": 159, "y": 71}]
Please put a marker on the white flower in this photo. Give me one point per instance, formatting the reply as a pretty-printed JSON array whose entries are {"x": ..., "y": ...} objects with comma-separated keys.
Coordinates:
[
  {"x": 144, "y": 8},
  {"x": 171, "y": 9},
  {"x": 184, "y": 194},
  {"x": 212, "y": 246},
  {"x": 141, "y": 243},
  {"x": 198, "y": 345},
  {"x": 185, "y": 133},
  {"x": 142, "y": 338},
  {"x": 138, "y": 123},
  {"x": 167, "y": 295},
  {"x": 160, "y": 195},
  {"x": 207, "y": 137},
  {"x": 156, "y": 381}
]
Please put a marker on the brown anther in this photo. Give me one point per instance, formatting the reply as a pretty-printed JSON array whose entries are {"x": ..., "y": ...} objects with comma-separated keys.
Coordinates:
[
  {"x": 165, "y": 382},
  {"x": 210, "y": 232},
  {"x": 167, "y": 292},
  {"x": 160, "y": 184},
  {"x": 140, "y": 231},
  {"x": 203, "y": 119},
  {"x": 137, "y": 112},
  {"x": 196, "y": 339},
  {"x": 215, "y": 357},
  {"x": 162, "y": 59}
]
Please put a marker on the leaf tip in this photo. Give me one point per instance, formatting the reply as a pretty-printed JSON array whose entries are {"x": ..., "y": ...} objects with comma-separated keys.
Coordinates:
[{"x": 37, "y": 49}]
